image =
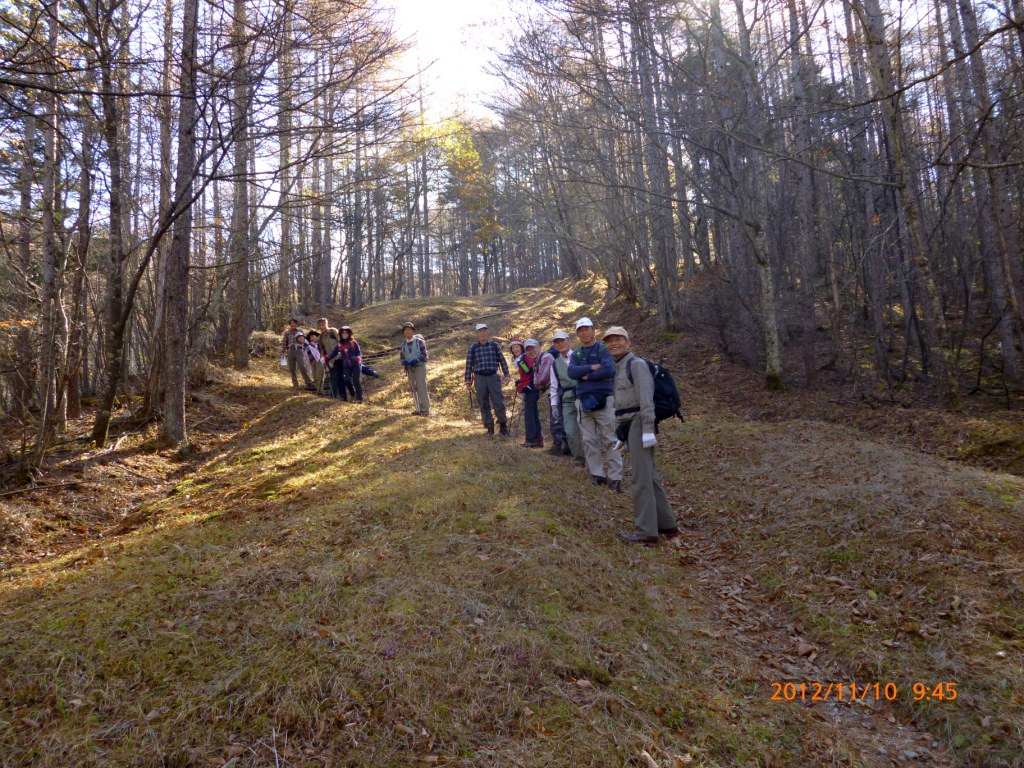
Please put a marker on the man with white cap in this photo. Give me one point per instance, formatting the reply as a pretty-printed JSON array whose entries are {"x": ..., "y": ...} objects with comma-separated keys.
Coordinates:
[
  {"x": 594, "y": 371},
  {"x": 565, "y": 427},
  {"x": 482, "y": 363},
  {"x": 637, "y": 426}
]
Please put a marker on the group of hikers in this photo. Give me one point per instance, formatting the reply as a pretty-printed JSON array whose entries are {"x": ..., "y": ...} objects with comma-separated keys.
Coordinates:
[
  {"x": 601, "y": 400},
  {"x": 329, "y": 359},
  {"x": 601, "y": 397}
]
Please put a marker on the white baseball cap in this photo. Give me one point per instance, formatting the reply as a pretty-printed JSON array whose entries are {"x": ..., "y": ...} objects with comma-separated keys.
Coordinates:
[
  {"x": 560, "y": 335},
  {"x": 481, "y": 326},
  {"x": 584, "y": 321},
  {"x": 530, "y": 343}
]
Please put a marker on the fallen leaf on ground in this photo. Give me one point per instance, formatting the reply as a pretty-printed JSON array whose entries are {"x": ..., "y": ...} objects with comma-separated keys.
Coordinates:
[{"x": 805, "y": 649}]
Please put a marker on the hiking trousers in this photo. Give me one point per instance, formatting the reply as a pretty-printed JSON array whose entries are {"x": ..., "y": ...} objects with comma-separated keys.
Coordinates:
[
  {"x": 597, "y": 431},
  {"x": 651, "y": 510},
  {"x": 488, "y": 394},
  {"x": 337, "y": 381},
  {"x": 531, "y": 413},
  {"x": 418, "y": 384},
  {"x": 555, "y": 424},
  {"x": 318, "y": 376},
  {"x": 351, "y": 378},
  {"x": 295, "y": 362},
  {"x": 571, "y": 425}
]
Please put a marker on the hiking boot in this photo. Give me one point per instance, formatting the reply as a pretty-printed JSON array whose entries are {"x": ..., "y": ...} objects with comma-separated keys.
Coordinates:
[
  {"x": 579, "y": 461},
  {"x": 532, "y": 444},
  {"x": 615, "y": 485},
  {"x": 598, "y": 480},
  {"x": 566, "y": 450},
  {"x": 638, "y": 538},
  {"x": 503, "y": 430},
  {"x": 556, "y": 449},
  {"x": 669, "y": 533},
  {"x": 490, "y": 431}
]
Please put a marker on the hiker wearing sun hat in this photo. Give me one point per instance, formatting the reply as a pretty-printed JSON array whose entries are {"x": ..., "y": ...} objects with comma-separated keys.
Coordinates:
[
  {"x": 413, "y": 354},
  {"x": 565, "y": 427},
  {"x": 594, "y": 371},
  {"x": 635, "y": 415},
  {"x": 483, "y": 360}
]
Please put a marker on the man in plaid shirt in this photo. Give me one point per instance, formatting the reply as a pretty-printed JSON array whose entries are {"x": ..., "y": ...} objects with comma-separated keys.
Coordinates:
[{"x": 482, "y": 363}]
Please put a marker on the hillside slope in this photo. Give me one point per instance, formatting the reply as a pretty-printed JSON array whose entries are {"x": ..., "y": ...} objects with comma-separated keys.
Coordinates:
[{"x": 349, "y": 585}]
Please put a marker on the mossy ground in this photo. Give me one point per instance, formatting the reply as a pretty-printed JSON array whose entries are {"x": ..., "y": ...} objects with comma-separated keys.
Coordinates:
[{"x": 351, "y": 585}]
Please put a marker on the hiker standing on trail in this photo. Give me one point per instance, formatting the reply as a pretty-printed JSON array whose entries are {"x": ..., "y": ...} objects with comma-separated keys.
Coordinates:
[
  {"x": 348, "y": 358},
  {"x": 537, "y": 370},
  {"x": 482, "y": 363},
  {"x": 413, "y": 354},
  {"x": 316, "y": 360},
  {"x": 565, "y": 425},
  {"x": 329, "y": 339},
  {"x": 594, "y": 371},
  {"x": 291, "y": 348},
  {"x": 637, "y": 428}
]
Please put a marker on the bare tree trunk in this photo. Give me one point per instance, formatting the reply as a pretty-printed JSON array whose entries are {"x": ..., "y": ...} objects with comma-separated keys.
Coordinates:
[
  {"x": 54, "y": 320},
  {"x": 177, "y": 267},
  {"x": 116, "y": 318},
  {"x": 240, "y": 211}
]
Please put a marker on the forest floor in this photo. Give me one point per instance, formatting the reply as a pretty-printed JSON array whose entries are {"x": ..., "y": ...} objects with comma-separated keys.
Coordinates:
[{"x": 324, "y": 584}]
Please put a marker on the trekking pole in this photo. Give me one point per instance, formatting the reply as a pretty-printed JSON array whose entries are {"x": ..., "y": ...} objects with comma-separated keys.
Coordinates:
[
  {"x": 513, "y": 425},
  {"x": 412, "y": 389}
]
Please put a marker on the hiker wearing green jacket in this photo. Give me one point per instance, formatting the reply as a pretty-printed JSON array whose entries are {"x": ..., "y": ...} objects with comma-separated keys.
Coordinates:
[{"x": 637, "y": 428}]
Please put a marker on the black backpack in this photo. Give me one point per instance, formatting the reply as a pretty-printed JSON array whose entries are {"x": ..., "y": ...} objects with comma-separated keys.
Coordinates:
[{"x": 666, "y": 395}]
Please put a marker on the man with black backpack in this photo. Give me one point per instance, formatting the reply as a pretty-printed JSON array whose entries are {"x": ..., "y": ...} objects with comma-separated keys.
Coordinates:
[{"x": 637, "y": 427}]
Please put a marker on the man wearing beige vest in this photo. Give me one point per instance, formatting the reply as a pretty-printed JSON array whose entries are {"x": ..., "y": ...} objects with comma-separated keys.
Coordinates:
[{"x": 637, "y": 428}]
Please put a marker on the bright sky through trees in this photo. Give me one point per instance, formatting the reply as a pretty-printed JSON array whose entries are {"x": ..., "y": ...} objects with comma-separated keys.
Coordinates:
[{"x": 453, "y": 42}]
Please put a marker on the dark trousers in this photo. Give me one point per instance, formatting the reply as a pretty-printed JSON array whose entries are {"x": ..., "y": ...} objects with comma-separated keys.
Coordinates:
[
  {"x": 352, "y": 382},
  {"x": 557, "y": 426},
  {"x": 337, "y": 382},
  {"x": 488, "y": 393},
  {"x": 531, "y": 415}
]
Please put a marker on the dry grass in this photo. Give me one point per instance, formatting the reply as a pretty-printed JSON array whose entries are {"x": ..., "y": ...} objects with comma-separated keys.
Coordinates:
[{"x": 350, "y": 585}]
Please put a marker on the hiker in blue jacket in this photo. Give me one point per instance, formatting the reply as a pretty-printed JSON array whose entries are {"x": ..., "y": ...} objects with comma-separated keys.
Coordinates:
[{"x": 592, "y": 367}]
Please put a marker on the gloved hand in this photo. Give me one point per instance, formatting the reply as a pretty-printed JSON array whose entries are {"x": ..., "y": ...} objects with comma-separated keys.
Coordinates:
[{"x": 649, "y": 439}]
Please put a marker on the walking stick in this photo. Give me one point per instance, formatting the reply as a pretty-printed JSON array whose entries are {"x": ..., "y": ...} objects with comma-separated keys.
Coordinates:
[
  {"x": 412, "y": 389},
  {"x": 513, "y": 425}
]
